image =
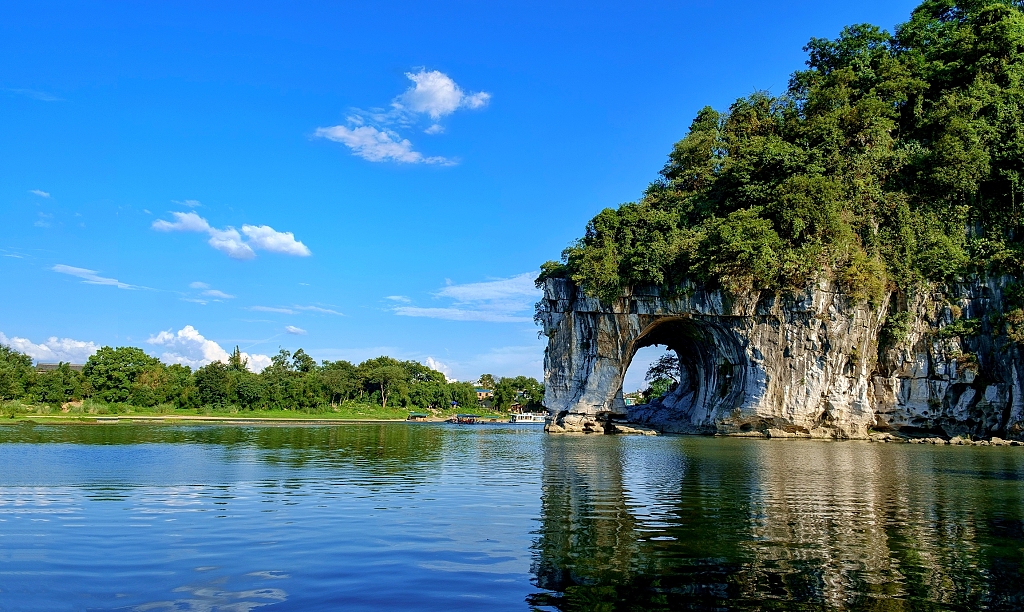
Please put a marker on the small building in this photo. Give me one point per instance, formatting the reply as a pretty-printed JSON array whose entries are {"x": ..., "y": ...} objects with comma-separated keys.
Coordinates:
[
  {"x": 50, "y": 367},
  {"x": 417, "y": 416},
  {"x": 482, "y": 394}
]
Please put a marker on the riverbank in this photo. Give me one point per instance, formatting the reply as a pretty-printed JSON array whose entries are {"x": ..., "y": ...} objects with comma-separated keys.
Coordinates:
[{"x": 91, "y": 411}]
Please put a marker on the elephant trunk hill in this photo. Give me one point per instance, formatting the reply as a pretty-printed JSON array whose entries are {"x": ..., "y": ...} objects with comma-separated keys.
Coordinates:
[{"x": 843, "y": 258}]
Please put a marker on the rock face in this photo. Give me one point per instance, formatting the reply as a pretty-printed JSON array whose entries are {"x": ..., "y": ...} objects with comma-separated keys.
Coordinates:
[{"x": 806, "y": 364}]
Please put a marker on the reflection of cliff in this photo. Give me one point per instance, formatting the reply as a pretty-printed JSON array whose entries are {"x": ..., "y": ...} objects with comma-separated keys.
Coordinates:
[{"x": 706, "y": 523}]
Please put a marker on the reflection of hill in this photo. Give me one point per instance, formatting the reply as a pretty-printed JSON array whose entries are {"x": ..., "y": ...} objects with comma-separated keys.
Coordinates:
[{"x": 744, "y": 525}]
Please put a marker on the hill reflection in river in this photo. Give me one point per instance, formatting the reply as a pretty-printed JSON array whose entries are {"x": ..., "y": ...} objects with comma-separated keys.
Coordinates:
[
  {"x": 697, "y": 523},
  {"x": 499, "y": 517}
]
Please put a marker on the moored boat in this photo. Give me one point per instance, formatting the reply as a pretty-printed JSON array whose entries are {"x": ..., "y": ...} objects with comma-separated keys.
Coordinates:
[{"x": 528, "y": 417}]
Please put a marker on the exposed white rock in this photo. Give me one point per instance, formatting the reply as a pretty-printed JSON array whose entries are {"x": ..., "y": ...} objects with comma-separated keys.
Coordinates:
[{"x": 805, "y": 364}]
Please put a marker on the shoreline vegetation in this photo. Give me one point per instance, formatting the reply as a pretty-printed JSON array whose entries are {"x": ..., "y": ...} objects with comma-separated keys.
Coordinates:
[{"x": 126, "y": 382}]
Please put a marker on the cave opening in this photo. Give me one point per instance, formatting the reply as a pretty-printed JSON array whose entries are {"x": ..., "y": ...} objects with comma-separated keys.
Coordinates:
[{"x": 710, "y": 370}]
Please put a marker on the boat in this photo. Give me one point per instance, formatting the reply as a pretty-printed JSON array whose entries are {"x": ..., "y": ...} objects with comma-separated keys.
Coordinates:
[
  {"x": 529, "y": 417},
  {"x": 465, "y": 419}
]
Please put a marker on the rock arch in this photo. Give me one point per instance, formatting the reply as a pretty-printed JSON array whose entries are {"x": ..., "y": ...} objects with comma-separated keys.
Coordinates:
[{"x": 757, "y": 364}]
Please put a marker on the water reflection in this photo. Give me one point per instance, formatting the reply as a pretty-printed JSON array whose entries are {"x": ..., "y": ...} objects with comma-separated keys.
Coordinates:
[{"x": 698, "y": 523}]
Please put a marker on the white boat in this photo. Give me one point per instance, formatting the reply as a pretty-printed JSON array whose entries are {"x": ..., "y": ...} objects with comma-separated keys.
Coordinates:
[{"x": 529, "y": 417}]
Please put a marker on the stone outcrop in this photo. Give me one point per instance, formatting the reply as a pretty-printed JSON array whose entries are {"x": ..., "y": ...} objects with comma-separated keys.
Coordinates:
[{"x": 804, "y": 364}]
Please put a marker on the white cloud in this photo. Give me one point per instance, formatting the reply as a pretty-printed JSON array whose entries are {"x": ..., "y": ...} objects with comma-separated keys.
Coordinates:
[
  {"x": 91, "y": 277},
  {"x": 40, "y": 193},
  {"x": 517, "y": 287},
  {"x": 436, "y": 94},
  {"x": 215, "y": 293},
  {"x": 319, "y": 309},
  {"x": 229, "y": 241},
  {"x": 272, "y": 309},
  {"x": 298, "y": 331},
  {"x": 372, "y": 134},
  {"x": 189, "y": 203},
  {"x": 378, "y": 145},
  {"x": 434, "y": 364},
  {"x": 460, "y": 314},
  {"x": 199, "y": 285},
  {"x": 266, "y": 238},
  {"x": 185, "y": 222},
  {"x": 189, "y": 347},
  {"x": 507, "y": 300},
  {"x": 42, "y": 96},
  {"x": 53, "y": 350},
  {"x": 398, "y": 298}
]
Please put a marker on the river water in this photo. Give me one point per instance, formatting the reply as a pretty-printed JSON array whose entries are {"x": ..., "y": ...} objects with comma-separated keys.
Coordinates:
[{"x": 443, "y": 517}]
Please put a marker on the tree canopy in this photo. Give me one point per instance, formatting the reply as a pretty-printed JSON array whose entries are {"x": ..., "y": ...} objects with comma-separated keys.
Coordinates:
[
  {"x": 293, "y": 381},
  {"x": 890, "y": 160}
]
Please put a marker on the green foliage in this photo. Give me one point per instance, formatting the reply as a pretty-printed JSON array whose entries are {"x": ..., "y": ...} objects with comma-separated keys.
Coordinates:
[
  {"x": 527, "y": 392},
  {"x": 112, "y": 371},
  {"x": 961, "y": 329},
  {"x": 890, "y": 159},
  {"x": 15, "y": 372},
  {"x": 117, "y": 380}
]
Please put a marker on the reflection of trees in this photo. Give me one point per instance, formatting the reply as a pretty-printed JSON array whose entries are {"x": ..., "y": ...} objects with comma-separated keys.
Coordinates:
[
  {"x": 740, "y": 524},
  {"x": 376, "y": 450}
]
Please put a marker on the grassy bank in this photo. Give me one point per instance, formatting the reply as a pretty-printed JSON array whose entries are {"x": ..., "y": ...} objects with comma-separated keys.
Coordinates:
[{"x": 89, "y": 410}]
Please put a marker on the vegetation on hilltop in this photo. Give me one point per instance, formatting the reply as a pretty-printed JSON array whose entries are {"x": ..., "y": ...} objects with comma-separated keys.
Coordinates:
[
  {"x": 128, "y": 376},
  {"x": 890, "y": 160}
]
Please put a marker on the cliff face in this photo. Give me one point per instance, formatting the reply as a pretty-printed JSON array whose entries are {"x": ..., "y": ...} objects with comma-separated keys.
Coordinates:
[{"x": 804, "y": 364}]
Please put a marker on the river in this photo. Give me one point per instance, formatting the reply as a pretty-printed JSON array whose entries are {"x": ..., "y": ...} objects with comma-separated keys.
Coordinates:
[{"x": 499, "y": 517}]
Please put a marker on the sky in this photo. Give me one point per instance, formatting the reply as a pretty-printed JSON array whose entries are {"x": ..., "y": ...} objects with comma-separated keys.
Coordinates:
[{"x": 354, "y": 179}]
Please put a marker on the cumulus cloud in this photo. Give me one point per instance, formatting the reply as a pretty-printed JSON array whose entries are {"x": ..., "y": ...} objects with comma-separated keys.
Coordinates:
[
  {"x": 437, "y": 95},
  {"x": 40, "y": 193},
  {"x": 372, "y": 134},
  {"x": 378, "y": 145},
  {"x": 506, "y": 300},
  {"x": 266, "y": 238},
  {"x": 53, "y": 350},
  {"x": 188, "y": 347},
  {"x": 91, "y": 277},
  {"x": 298, "y": 331},
  {"x": 229, "y": 241}
]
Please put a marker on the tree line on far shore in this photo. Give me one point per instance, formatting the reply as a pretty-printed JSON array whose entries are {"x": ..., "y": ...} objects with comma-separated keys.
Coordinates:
[{"x": 293, "y": 381}]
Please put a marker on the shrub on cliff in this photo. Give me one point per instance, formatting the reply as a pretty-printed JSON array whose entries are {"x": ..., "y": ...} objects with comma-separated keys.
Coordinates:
[{"x": 889, "y": 159}]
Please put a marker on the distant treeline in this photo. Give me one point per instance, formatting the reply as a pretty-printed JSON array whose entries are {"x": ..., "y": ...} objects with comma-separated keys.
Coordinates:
[{"x": 296, "y": 381}]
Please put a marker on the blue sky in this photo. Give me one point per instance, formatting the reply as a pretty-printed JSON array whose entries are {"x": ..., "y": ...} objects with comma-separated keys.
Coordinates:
[{"x": 354, "y": 179}]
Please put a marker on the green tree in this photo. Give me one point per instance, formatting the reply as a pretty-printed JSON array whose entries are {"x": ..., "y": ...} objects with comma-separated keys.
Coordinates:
[
  {"x": 58, "y": 386},
  {"x": 112, "y": 371},
  {"x": 339, "y": 381},
  {"x": 15, "y": 372},
  {"x": 386, "y": 376},
  {"x": 213, "y": 382},
  {"x": 522, "y": 390}
]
